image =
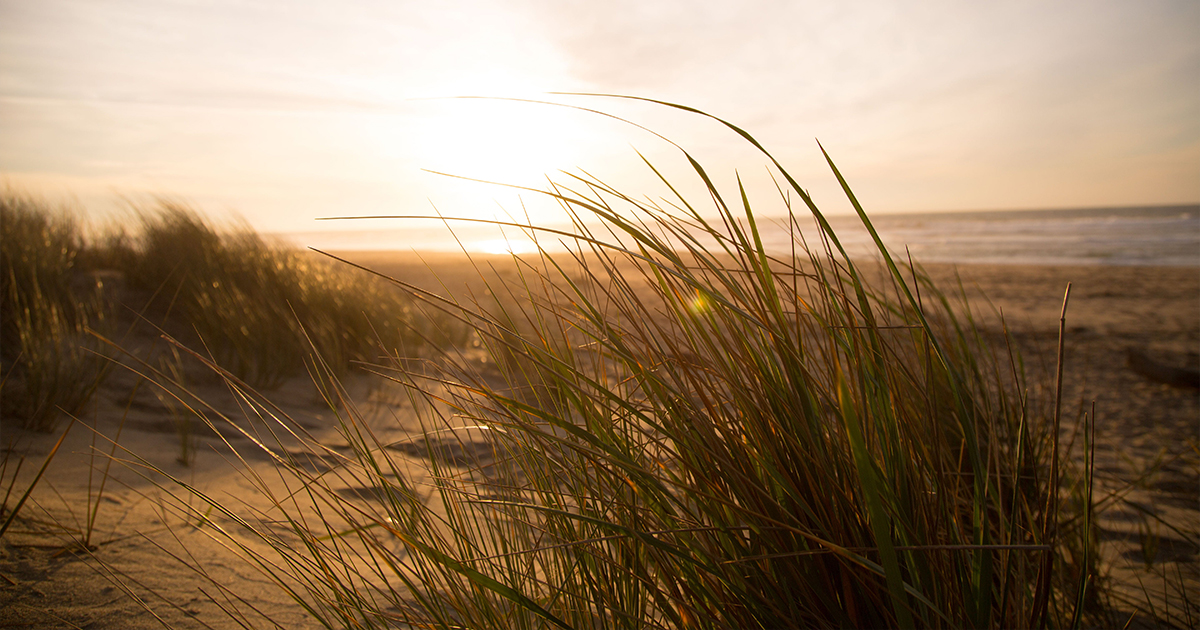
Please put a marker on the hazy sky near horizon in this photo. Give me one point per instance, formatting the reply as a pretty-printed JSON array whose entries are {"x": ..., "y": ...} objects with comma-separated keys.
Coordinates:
[{"x": 288, "y": 110}]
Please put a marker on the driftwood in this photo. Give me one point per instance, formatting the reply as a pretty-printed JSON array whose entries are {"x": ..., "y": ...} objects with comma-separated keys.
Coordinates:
[{"x": 1161, "y": 373}]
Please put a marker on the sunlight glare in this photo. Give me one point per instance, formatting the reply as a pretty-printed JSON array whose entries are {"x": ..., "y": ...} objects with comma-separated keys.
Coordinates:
[{"x": 501, "y": 141}]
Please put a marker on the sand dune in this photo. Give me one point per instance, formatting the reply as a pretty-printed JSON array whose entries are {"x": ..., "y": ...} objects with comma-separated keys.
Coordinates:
[{"x": 1147, "y": 431}]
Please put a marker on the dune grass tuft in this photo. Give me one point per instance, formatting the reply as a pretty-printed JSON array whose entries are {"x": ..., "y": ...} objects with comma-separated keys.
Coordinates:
[
  {"x": 48, "y": 362},
  {"x": 669, "y": 433},
  {"x": 255, "y": 307}
]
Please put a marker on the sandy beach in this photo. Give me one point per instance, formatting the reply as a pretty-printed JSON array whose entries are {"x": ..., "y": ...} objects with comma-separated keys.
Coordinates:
[{"x": 1130, "y": 330}]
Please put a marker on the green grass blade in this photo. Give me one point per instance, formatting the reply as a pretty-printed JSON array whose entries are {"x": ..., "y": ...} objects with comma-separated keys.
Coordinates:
[{"x": 880, "y": 523}]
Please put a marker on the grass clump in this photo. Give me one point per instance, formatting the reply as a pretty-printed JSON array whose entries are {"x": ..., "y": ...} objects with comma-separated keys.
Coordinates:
[
  {"x": 682, "y": 431},
  {"x": 260, "y": 309},
  {"x": 48, "y": 362}
]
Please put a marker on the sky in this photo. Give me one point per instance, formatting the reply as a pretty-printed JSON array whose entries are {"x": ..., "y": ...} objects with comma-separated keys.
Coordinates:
[{"x": 285, "y": 111}]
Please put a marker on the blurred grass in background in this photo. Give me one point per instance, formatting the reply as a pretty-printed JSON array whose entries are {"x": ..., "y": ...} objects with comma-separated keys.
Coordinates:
[
  {"x": 49, "y": 363},
  {"x": 259, "y": 309}
]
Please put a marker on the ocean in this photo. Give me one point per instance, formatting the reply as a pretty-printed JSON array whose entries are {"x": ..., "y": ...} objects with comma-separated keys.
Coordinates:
[{"x": 1136, "y": 235}]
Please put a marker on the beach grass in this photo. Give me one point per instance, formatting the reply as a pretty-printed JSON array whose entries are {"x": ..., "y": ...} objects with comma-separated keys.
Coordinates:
[
  {"x": 671, "y": 428},
  {"x": 254, "y": 307},
  {"x": 49, "y": 365},
  {"x": 257, "y": 307}
]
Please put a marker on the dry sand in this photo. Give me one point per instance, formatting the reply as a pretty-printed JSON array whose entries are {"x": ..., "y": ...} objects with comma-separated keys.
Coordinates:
[{"x": 1147, "y": 433}]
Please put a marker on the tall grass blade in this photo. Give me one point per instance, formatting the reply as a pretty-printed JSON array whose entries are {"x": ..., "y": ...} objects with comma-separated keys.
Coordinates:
[
  {"x": 880, "y": 522},
  {"x": 38, "y": 477}
]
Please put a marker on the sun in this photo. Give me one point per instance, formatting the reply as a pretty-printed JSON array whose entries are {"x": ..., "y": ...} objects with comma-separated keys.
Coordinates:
[{"x": 509, "y": 142}]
